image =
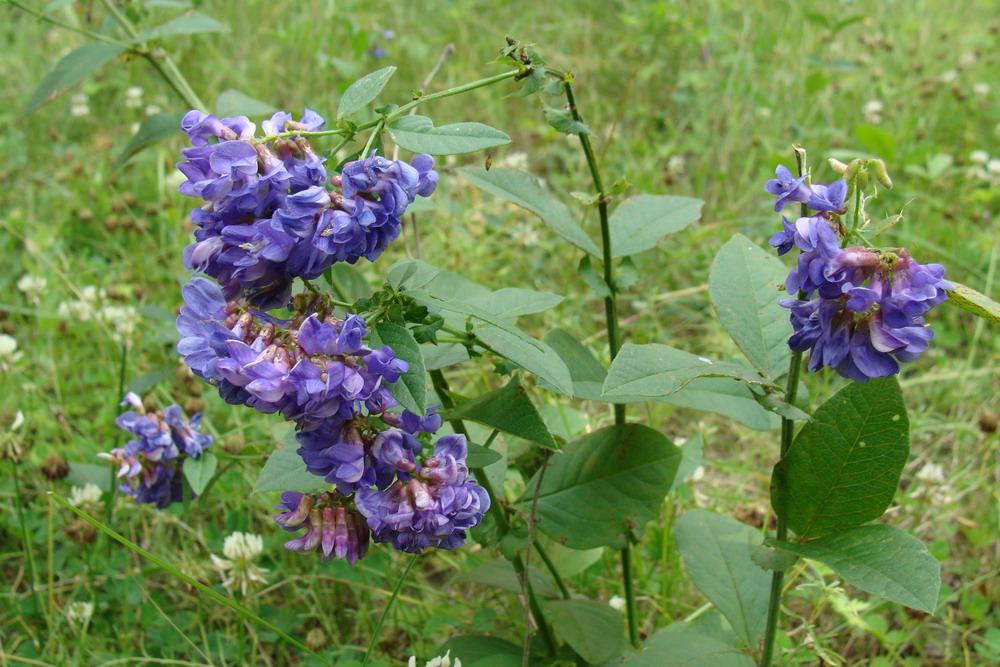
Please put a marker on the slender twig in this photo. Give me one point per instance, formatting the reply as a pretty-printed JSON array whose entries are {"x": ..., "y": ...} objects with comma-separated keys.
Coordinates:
[
  {"x": 29, "y": 550},
  {"x": 388, "y": 608},
  {"x": 614, "y": 342},
  {"x": 41, "y": 16}
]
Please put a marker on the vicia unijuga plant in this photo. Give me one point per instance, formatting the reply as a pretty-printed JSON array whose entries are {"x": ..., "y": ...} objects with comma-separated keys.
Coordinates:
[{"x": 385, "y": 451}]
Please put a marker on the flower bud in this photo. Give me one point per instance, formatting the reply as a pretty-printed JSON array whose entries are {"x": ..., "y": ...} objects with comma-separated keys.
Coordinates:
[
  {"x": 881, "y": 174},
  {"x": 837, "y": 165}
]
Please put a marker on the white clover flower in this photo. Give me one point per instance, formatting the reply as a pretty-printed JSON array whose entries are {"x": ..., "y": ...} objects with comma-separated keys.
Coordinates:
[
  {"x": 32, "y": 286},
  {"x": 79, "y": 105},
  {"x": 75, "y": 310},
  {"x": 89, "y": 494},
  {"x": 982, "y": 89},
  {"x": 967, "y": 60},
  {"x": 79, "y": 612},
  {"x": 931, "y": 473},
  {"x": 122, "y": 318},
  {"x": 677, "y": 164},
  {"x": 440, "y": 661},
  {"x": 515, "y": 160},
  {"x": 949, "y": 76},
  {"x": 617, "y": 603},
  {"x": 873, "y": 111},
  {"x": 993, "y": 167},
  {"x": 152, "y": 110},
  {"x": 9, "y": 354},
  {"x": 238, "y": 569},
  {"x": 979, "y": 157}
]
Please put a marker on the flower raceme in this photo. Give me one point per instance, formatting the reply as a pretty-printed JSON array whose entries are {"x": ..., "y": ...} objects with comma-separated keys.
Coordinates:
[
  {"x": 271, "y": 211},
  {"x": 151, "y": 463},
  {"x": 860, "y": 310}
]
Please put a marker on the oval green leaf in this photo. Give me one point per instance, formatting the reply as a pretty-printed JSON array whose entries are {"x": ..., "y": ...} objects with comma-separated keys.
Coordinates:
[
  {"x": 640, "y": 222},
  {"x": 418, "y": 135},
  {"x": 363, "y": 91},
  {"x": 593, "y": 629}
]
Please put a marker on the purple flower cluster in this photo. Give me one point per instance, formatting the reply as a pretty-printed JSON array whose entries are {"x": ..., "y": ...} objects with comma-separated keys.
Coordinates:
[
  {"x": 151, "y": 463},
  {"x": 860, "y": 310},
  {"x": 432, "y": 504},
  {"x": 272, "y": 214},
  {"x": 311, "y": 371}
]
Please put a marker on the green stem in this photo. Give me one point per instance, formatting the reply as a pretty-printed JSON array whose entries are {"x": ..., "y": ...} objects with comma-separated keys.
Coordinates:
[
  {"x": 787, "y": 434},
  {"x": 29, "y": 550},
  {"x": 232, "y": 604},
  {"x": 96, "y": 36},
  {"x": 372, "y": 138},
  {"x": 552, "y": 570},
  {"x": 497, "y": 512},
  {"x": 109, "y": 511},
  {"x": 457, "y": 90},
  {"x": 388, "y": 608},
  {"x": 614, "y": 341}
]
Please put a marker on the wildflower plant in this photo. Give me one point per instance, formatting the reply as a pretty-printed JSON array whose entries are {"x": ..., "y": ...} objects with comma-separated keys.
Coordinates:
[{"x": 374, "y": 457}]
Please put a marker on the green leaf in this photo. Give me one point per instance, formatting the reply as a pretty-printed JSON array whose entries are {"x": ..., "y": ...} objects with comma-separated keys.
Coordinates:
[
  {"x": 500, "y": 574},
  {"x": 155, "y": 128},
  {"x": 411, "y": 274},
  {"x": 563, "y": 121},
  {"x": 286, "y": 471},
  {"x": 677, "y": 646},
  {"x": 488, "y": 651},
  {"x": 773, "y": 559},
  {"x": 880, "y": 559},
  {"x": 507, "y": 409},
  {"x": 843, "y": 468},
  {"x": 586, "y": 372},
  {"x": 593, "y": 279},
  {"x": 411, "y": 388},
  {"x": 876, "y": 141},
  {"x": 743, "y": 286},
  {"x": 199, "y": 471},
  {"x": 717, "y": 552},
  {"x": 363, "y": 91},
  {"x": 690, "y": 459},
  {"x": 640, "y": 222},
  {"x": 512, "y": 302},
  {"x": 82, "y": 474},
  {"x": 506, "y": 339},
  {"x": 347, "y": 281},
  {"x": 975, "y": 302},
  {"x": 418, "y": 135},
  {"x": 234, "y": 103},
  {"x": 521, "y": 188},
  {"x": 603, "y": 486},
  {"x": 480, "y": 457},
  {"x": 71, "y": 70},
  {"x": 628, "y": 274},
  {"x": 191, "y": 23},
  {"x": 727, "y": 397},
  {"x": 593, "y": 629},
  {"x": 656, "y": 370}
]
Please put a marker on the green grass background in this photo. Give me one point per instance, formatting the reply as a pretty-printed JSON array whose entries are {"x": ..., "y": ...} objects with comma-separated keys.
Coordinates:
[{"x": 725, "y": 87}]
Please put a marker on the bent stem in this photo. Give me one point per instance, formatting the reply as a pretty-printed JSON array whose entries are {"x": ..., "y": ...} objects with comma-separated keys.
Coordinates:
[
  {"x": 218, "y": 597},
  {"x": 388, "y": 608},
  {"x": 614, "y": 342},
  {"x": 498, "y": 514}
]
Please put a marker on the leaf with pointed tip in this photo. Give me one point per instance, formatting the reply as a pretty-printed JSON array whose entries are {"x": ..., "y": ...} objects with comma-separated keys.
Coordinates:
[
  {"x": 678, "y": 646},
  {"x": 843, "y": 468},
  {"x": 411, "y": 274},
  {"x": 718, "y": 555},
  {"x": 363, "y": 91},
  {"x": 286, "y": 471},
  {"x": 640, "y": 222},
  {"x": 880, "y": 559},
  {"x": 411, "y": 387},
  {"x": 743, "y": 285},
  {"x": 419, "y": 135},
  {"x": 199, "y": 471},
  {"x": 190, "y": 23},
  {"x": 975, "y": 302},
  {"x": 522, "y": 188},
  {"x": 507, "y": 409},
  {"x": 601, "y": 487},
  {"x": 71, "y": 70},
  {"x": 155, "y": 128}
]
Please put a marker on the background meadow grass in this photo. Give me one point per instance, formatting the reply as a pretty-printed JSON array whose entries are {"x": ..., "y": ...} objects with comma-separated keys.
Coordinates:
[{"x": 690, "y": 98}]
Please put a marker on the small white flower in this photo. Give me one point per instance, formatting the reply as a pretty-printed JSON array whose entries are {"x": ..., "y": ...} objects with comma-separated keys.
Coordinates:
[
  {"x": 79, "y": 612},
  {"x": 444, "y": 661},
  {"x": 873, "y": 111},
  {"x": 152, "y": 110},
  {"x": 133, "y": 97},
  {"x": 949, "y": 76},
  {"x": 89, "y": 494},
  {"x": 9, "y": 354},
  {"x": 238, "y": 569},
  {"x": 515, "y": 160},
  {"x": 931, "y": 473},
  {"x": 32, "y": 286},
  {"x": 18, "y": 421},
  {"x": 764, "y": 113},
  {"x": 967, "y": 60},
  {"x": 79, "y": 104},
  {"x": 677, "y": 165},
  {"x": 981, "y": 89},
  {"x": 698, "y": 474},
  {"x": 979, "y": 157},
  {"x": 617, "y": 603},
  {"x": 122, "y": 318},
  {"x": 993, "y": 167}
]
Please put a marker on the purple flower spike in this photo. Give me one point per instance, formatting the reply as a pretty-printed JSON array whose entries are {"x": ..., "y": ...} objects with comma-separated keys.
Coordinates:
[{"x": 332, "y": 528}]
